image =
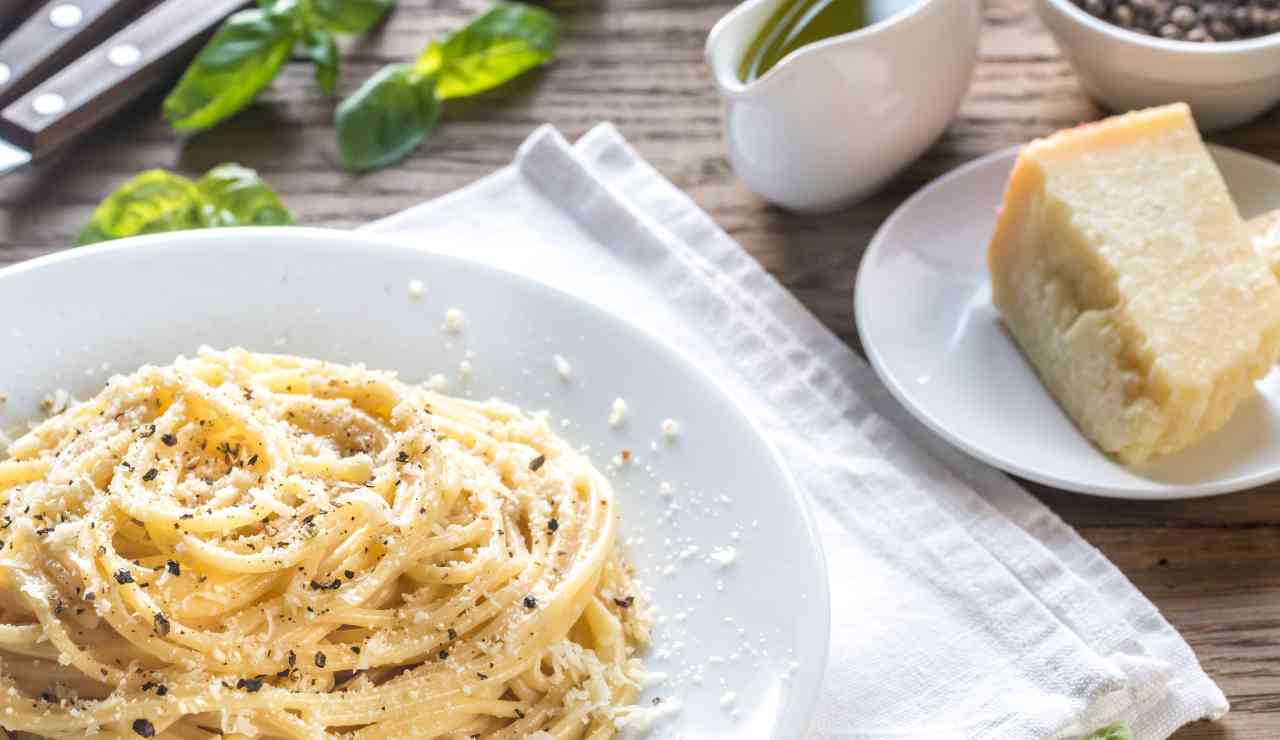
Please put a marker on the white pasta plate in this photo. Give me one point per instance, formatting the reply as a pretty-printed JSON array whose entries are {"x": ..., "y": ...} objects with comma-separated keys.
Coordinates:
[
  {"x": 729, "y": 553},
  {"x": 923, "y": 304}
]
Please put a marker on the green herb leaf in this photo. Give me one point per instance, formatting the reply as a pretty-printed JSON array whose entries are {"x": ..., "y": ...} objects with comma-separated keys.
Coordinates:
[
  {"x": 1117, "y": 731},
  {"x": 350, "y": 16},
  {"x": 150, "y": 203},
  {"x": 500, "y": 45},
  {"x": 243, "y": 57},
  {"x": 157, "y": 201},
  {"x": 233, "y": 195},
  {"x": 386, "y": 118},
  {"x": 320, "y": 47}
]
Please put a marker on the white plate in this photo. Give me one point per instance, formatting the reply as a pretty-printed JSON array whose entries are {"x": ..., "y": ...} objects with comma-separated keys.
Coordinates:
[
  {"x": 923, "y": 305},
  {"x": 757, "y": 628}
]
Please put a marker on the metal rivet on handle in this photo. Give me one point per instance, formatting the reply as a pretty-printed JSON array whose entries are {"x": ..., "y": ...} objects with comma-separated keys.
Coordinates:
[
  {"x": 5, "y": 73},
  {"x": 124, "y": 55},
  {"x": 49, "y": 104},
  {"x": 65, "y": 15}
]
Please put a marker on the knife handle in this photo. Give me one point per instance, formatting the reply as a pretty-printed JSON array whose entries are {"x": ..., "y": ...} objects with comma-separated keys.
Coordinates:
[
  {"x": 12, "y": 12},
  {"x": 99, "y": 83},
  {"x": 55, "y": 34}
]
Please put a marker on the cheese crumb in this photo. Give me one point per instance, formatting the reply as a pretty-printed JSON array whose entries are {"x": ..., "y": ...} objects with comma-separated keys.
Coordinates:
[
  {"x": 670, "y": 428},
  {"x": 618, "y": 412},
  {"x": 453, "y": 320},
  {"x": 563, "y": 367},
  {"x": 417, "y": 289},
  {"x": 723, "y": 557}
]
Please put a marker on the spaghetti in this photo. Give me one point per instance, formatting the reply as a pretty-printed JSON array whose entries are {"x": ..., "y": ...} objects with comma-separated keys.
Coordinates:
[{"x": 256, "y": 545}]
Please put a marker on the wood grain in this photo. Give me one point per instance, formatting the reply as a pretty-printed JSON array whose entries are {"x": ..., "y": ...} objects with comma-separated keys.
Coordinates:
[{"x": 1212, "y": 566}]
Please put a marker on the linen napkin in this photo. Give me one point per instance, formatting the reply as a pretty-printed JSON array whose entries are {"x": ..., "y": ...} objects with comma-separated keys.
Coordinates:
[{"x": 961, "y": 606}]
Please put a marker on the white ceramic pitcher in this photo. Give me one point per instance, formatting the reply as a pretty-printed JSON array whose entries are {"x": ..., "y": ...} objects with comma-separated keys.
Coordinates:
[{"x": 835, "y": 120}]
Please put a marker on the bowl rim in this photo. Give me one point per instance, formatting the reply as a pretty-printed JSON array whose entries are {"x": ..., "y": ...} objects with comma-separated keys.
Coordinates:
[{"x": 1216, "y": 49}]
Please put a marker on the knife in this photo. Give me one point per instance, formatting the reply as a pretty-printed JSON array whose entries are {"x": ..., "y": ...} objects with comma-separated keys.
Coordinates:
[
  {"x": 12, "y": 11},
  {"x": 54, "y": 35},
  {"x": 88, "y": 90}
]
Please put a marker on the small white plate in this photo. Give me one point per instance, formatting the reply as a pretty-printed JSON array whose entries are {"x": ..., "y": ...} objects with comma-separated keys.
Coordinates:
[
  {"x": 924, "y": 312},
  {"x": 757, "y": 628}
]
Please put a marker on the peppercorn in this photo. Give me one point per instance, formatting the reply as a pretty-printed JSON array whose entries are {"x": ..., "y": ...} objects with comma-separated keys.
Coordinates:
[{"x": 1198, "y": 21}]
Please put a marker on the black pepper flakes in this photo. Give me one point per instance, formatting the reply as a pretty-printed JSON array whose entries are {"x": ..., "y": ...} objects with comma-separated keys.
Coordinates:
[
  {"x": 148, "y": 431},
  {"x": 169, "y": 440},
  {"x": 293, "y": 659},
  {"x": 123, "y": 576},
  {"x": 162, "y": 625},
  {"x": 173, "y": 567},
  {"x": 443, "y": 655},
  {"x": 530, "y": 602},
  {"x": 403, "y": 457},
  {"x": 144, "y": 727},
  {"x": 625, "y": 603},
  {"x": 320, "y": 660},
  {"x": 453, "y": 634},
  {"x": 537, "y": 462},
  {"x": 150, "y": 475},
  {"x": 252, "y": 685},
  {"x": 349, "y": 574},
  {"x": 552, "y": 525}
]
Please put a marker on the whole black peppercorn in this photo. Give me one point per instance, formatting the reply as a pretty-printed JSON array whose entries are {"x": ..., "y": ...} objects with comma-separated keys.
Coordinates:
[
  {"x": 1184, "y": 17},
  {"x": 144, "y": 728}
]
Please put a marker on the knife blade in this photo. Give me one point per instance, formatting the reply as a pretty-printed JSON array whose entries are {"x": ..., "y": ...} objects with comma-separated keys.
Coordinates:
[{"x": 91, "y": 88}]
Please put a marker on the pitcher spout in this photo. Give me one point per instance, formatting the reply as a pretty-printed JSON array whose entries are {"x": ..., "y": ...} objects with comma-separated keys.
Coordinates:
[{"x": 729, "y": 40}]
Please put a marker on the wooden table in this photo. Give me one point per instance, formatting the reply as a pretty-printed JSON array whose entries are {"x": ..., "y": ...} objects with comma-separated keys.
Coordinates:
[{"x": 1212, "y": 566}]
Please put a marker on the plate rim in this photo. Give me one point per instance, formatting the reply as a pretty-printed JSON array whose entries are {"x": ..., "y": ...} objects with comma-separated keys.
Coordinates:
[
  {"x": 808, "y": 690},
  {"x": 1168, "y": 492}
]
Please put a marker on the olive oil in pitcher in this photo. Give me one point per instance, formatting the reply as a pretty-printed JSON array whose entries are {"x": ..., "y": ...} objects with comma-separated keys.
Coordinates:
[{"x": 798, "y": 23}]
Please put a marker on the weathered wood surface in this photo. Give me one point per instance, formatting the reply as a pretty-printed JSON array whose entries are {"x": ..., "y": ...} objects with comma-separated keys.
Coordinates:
[{"x": 1212, "y": 566}]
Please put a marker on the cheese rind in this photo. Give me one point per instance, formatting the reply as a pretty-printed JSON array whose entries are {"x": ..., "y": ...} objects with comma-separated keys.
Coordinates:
[{"x": 1127, "y": 277}]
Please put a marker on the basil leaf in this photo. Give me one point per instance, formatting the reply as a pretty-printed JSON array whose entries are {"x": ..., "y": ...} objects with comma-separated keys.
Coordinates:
[
  {"x": 1117, "y": 731},
  {"x": 150, "y": 203},
  {"x": 386, "y": 118},
  {"x": 236, "y": 196},
  {"x": 350, "y": 16},
  {"x": 321, "y": 47},
  {"x": 500, "y": 45},
  {"x": 243, "y": 57}
]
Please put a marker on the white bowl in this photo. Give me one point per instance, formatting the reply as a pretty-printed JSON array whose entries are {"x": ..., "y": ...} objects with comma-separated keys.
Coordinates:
[
  {"x": 835, "y": 120},
  {"x": 1225, "y": 83},
  {"x": 758, "y": 627}
]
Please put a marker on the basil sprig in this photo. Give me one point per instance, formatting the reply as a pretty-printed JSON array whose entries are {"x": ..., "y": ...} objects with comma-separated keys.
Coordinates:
[
  {"x": 157, "y": 201},
  {"x": 249, "y": 49},
  {"x": 393, "y": 111},
  {"x": 1112, "y": 732}
]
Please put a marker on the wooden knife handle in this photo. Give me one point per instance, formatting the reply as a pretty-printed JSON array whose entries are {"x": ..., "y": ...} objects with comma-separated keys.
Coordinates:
[
  {"x": 55, "y": 34},
  {"x": 12, "y": 12},
  {"x": 112, "y": 74}
]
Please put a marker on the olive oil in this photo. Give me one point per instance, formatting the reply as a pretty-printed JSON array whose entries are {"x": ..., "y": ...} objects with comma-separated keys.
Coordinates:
[{"x": 798, "y": 23}]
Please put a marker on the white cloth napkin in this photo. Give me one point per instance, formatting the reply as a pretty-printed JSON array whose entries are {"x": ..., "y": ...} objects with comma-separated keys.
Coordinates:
[{"x": 962, "y": 607}]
